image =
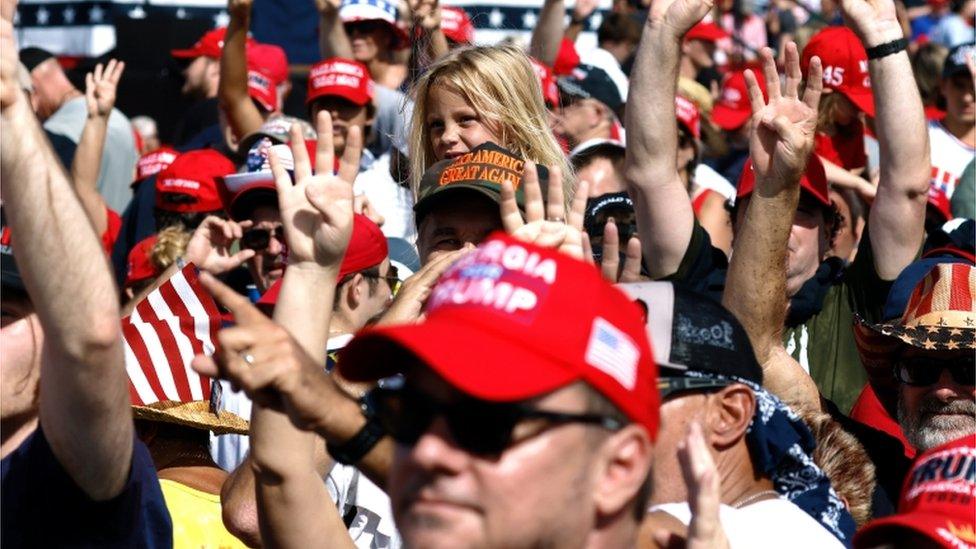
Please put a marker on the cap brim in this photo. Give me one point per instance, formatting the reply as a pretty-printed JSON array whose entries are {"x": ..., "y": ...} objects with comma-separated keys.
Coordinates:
[
  {"x": 729, "y": 119},
  {"x": 888, "y": 529},
  {"x": 186, "y": 54},
  {"x": 424, "y": 204},
  {"x": 501, "y": 369},
  {"x": 862, "y": 99},
  {"x": 195, "y": 414},
  {"x": 338, "y": 91}
]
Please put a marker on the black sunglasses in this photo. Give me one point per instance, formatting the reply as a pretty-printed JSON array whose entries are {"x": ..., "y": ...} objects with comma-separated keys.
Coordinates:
[
  {"x": 670, "y": 386},
  {"x": 392, "y": 277},
  {"x": 923, "y": 371},
  {"x": 260, "y": 239},
  {"x": 477, "y": 426}
]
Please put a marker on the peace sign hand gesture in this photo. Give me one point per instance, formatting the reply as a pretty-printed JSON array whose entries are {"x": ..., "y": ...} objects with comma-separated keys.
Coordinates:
[{"x": 317, "y": 210}]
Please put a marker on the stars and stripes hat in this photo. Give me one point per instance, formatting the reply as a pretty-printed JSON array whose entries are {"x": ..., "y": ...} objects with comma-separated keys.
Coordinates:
[
  {"x": 174, "y": 323},
  {"x": 354, "y": 11},
  {"x": 938, "y": 315},
  {"x": 512, "y": 321}
]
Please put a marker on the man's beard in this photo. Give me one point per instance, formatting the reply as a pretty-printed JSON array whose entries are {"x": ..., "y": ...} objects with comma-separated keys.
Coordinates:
[{"x": 926, "y": 429}]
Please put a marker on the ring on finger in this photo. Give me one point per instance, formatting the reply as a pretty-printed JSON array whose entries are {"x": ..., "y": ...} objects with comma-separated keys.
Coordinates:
[
  {"x": 247, "y": 357},
  {"x": 555, "y": 219}
]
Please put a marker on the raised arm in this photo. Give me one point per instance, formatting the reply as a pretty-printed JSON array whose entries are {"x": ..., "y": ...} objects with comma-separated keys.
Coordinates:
[
  {"x": 548, "y": 32},
  {"x": 426, "y": 15},
  {"x": 333, "y": 40},
  {"x": 755, "y": 290},
  {"x": 897, "y": 220},
  {"x": 85, "y": 411},
  {"x": 242, "y": 114},
  {"x": 100, "y": 89},
  {"x": 582, "y": 10},
  {"x": 664, "y": 216}
]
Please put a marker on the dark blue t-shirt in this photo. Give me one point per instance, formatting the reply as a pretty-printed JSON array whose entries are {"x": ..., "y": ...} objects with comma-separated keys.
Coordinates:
[{"x": 43, "y": 507}]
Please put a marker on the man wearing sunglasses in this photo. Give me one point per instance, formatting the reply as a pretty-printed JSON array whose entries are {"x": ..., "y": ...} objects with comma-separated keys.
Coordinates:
[{"x": 708, "y": 374}]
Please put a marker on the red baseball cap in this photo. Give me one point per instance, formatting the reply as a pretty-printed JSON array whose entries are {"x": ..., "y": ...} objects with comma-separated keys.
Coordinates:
[
  {"x": 688, "y": 115},
  {"x": 813, "y": 181},
  {"x": 938, "y": 500},
  {"x": 709, "y": 32},
  {"x": 733, "y": 108},
  {"x": 496, "y": 328},
  {"x": 270, "y": 60},
  {"x": 154, "y": 162},
  {"x": 263, "y": 89},
  {"x": 550, "y": 92},
  {"x": 139, "y": 266},
  {"x": 192, "y": 178},
  {"x": 845, "y": 65},
  {"x": 367, "y": 248},
  {"x": 210, "y": 45},
  {"x": 340, "y": 77},
  {"x": 456, "y": 25}
]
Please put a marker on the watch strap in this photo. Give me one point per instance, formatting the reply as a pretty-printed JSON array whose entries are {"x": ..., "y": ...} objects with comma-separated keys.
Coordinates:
[
  {"x": 888, "y": 48},
  {"x": 353, "y": 450}
]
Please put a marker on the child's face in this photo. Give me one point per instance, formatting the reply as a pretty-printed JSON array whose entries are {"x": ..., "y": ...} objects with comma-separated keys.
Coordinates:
[{"x": 453, "y": 126}]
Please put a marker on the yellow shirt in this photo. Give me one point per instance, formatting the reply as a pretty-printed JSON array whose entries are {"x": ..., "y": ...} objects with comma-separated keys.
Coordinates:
[{"x": 196, "y": 518}]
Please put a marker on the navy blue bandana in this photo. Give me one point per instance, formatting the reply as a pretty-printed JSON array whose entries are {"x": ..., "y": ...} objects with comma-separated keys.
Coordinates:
[{"x": 781, "y": 446}]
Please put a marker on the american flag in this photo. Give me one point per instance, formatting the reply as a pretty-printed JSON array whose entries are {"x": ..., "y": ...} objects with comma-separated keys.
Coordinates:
[{"x": 174, "y": 323}]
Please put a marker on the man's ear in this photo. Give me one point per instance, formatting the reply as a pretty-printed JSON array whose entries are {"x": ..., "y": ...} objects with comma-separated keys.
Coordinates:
[
  {"x": 624, "y": 462},
  {"x": 353, "y": 291},
  {"x": 729, "y": 414}
]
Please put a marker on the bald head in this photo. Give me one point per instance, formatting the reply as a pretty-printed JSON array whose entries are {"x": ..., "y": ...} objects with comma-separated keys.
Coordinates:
[{"x": 51, "y": 87}]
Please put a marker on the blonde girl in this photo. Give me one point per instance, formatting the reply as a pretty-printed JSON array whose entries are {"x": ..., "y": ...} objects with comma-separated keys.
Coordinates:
[{"x": 479, "y": 94}]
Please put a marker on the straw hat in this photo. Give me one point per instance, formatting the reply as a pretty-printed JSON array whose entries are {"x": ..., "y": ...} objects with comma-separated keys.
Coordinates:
[{"x": 196, "y": 414}]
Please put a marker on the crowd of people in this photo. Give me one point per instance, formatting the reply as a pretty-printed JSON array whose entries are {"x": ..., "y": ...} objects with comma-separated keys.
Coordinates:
[{"x": 711, "y": 283}]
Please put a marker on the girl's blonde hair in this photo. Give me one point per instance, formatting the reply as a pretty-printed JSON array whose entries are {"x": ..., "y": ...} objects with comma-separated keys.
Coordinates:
[
  {"x": 170, "y": 244},
  {"x": 499, "y": 83}
]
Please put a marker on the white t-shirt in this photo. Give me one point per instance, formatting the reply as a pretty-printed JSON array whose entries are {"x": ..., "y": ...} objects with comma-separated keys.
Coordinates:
[
  {"x": 372, "y": 525},
  {"x": 772, "y": 523},
  {"x": 707, "y": 177},
  {"x": 394, "y": 202},
  {"x": 950, "y": 157}
]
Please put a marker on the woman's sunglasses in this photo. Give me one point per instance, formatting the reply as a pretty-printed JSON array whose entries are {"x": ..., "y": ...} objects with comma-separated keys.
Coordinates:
[{"x": 477, "y": 426}]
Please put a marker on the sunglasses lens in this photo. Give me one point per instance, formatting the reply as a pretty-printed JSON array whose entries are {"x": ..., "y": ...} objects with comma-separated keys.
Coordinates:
[
  {"x": 917, "y": 374},
  {"x": 482, "y": 429},
  {"x": 256, "y": 239},
  {"x": 405, "y": 416},
  {"x": 964, "y": 374}
]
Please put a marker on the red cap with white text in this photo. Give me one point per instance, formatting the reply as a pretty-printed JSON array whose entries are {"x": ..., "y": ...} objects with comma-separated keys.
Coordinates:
[
  {"x": 845, "y": 65},
  {"x": 340, "y": 77},
  {"x": 496, "y": 328},
  {"x": 189, "y": 184}
]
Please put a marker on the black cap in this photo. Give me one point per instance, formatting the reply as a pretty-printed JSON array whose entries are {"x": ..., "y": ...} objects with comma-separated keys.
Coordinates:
[
  {"x": 589, "y": 82},
  {"x": 32, "y": 57},
  {"x": 599, "y": 209},
  {"x": 691, "y": 332},
  {"x": 482, "y": 170},
  {"x": 955, "y": 62},
  {"x": 9, "y": 274}
]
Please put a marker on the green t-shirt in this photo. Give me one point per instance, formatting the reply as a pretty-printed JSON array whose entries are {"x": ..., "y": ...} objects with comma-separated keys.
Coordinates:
[{"x": 824, "y": 344}]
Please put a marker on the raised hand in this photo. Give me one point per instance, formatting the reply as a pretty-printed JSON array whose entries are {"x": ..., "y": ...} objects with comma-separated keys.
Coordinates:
[
  {"x": 584, "y": 8},
  {"x": 209, "y": 247},
  {"x": 874, "y": 21},
  {"x": 9, "y": 85},
  {"x": 545, "y": 225},
  {"x": 260, "y": 358},
  {"x": 783, "y": 129},
  {"x": 610, "y": 262},
  {"x": 426, "y": 13},
  {"x": 240, "y": 8},
  {"x": 100, "y": 88},
  {"x": 408, "y": 305},
  {"x": 317, "y": 210},
  {"x": 327, "y": 6},
  {"x": 678, "y": 15}
]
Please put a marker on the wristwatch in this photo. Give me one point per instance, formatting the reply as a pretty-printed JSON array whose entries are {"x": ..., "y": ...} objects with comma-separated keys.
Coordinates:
[{"x": 353, "y": 450}]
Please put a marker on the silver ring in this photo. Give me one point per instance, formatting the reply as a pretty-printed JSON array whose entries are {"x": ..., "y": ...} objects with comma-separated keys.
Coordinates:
[
  {"x": 247, "y": 357},
  {"x": 557, "y": 220}
]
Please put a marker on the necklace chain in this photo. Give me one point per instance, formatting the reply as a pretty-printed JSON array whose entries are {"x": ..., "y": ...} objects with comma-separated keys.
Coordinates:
[{"x": 746, "y": 500}]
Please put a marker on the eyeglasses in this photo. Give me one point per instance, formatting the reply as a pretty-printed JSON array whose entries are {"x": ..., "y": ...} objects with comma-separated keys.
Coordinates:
[
  {"x": 924, "y": 371},
  {"x": 669, "y": 386},
  {"x": 477, "y": 426},
  {"x": 260, "y": 239}
]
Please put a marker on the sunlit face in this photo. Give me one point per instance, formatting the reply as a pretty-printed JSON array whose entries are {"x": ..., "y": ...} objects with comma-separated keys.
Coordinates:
[
  {"x": 602, "y": 177},
  {"x": 444, "y": 496},
  {"x": 576, "y": 119},
  {"x": 345, "y": 115},
  {"x": 807, "y": 244},
  {"x": 375, "y": 302},
  {"x": 453, "y": 126},
  {"x": 959, "y": 96},
  {"x": 935, "y": 414},
  {"x": 462, "y": 218},
  {"x": 677, "y": 412},
  {"x": 369, "y": 39},
  {"x": 268, "y": 265},
  {"x": 21, "y": 340}
]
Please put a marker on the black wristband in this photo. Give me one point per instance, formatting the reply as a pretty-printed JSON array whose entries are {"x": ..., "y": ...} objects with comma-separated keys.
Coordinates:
[
  {"x": 888, "y": 48},
  {"x": 575, "y": 21},
  {"x": 353, "y": 450}
]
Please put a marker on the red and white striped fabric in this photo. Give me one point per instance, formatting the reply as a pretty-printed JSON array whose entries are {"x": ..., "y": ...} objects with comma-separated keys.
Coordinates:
[{"x": 174, "y": 323}]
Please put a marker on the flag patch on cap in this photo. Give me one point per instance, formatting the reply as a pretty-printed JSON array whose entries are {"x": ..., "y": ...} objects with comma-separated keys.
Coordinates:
[{"x": 612, "y": 352}]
